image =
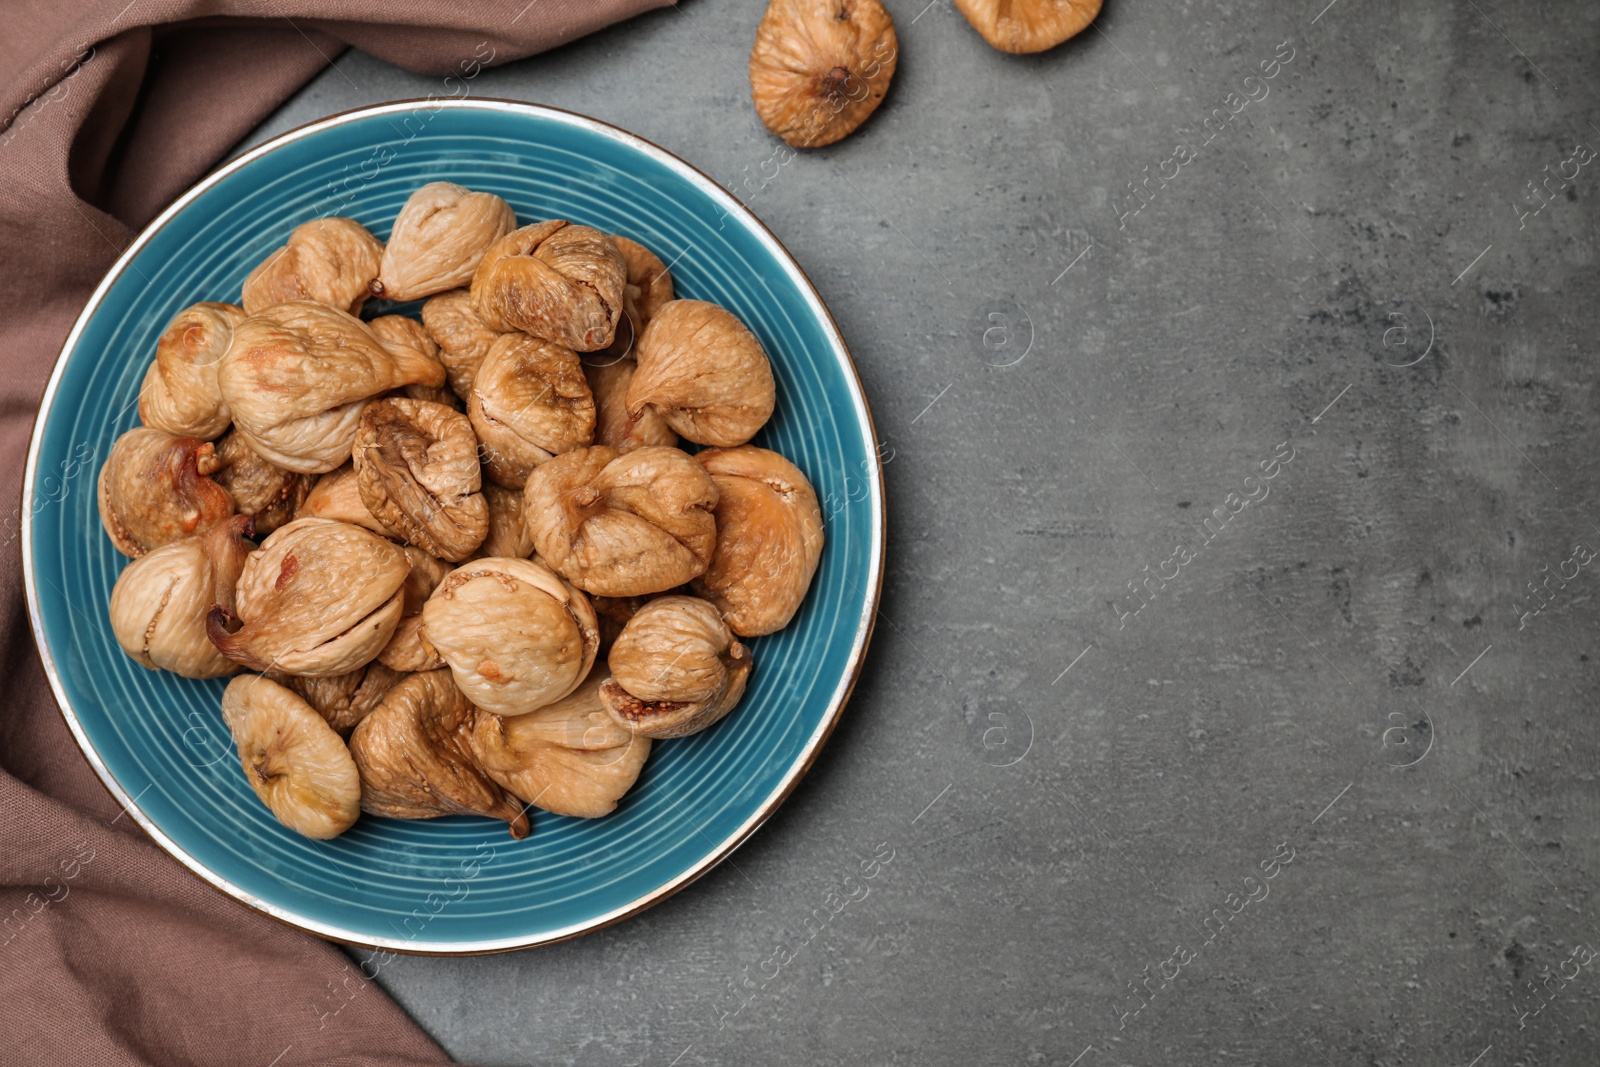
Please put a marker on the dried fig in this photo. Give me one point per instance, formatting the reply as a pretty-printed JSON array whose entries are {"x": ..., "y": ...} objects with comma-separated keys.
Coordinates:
[
  {"x": 155, "y": 488},
  {"x": 614, "y": 613},
  {"x": 649, "y": 283},
  {"x": 529, "y": 402},
  {"x": 293, "y": 760},
  {"x": 260, "y": 489},
  {"x": 569, "y": 757},
  {"x": 336, "y": 496},
  {"x": 408, "y": 650},
  {"x": 180, "y": 393},
  {"x": 415, "y": 758},
  {"x": 675, "y": 669},
  {"x": 462, "y": 337},
  {"x": 417, "y": 471},
  {"x": 1021, "y": 26},
  {"x": 159, "y": 604},
  {"x": 704, "y": 372},
  {"x": 555, "y": 280},
  {"x": 319, "y": 598},
  {"x": 331, "y": 261},
  {"x": 623, "y": 524},
  {"x": 613, "y": 425},
  {"x": 820, "y": 67},
  {"x": 508, "y": 533},
  {"x": 297, "y": 376},
  {"x": 439, "y": 239},
  {"x": 769, "y": 539},
  {"x": 515, "y": 635},
  {"x": 344, "y": 699},
  {"x": 394, "y": 330}
]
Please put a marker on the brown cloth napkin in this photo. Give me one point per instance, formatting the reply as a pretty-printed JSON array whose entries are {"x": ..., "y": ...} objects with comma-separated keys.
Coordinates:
[{"x": 110, "y": 952}]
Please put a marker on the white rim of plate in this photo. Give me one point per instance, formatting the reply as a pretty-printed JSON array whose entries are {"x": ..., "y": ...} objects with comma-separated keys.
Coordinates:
[{"x": 796, "y": 770}]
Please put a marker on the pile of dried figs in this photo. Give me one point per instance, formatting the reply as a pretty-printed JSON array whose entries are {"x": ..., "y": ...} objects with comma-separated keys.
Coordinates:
[{"x": 487, "y": 575}]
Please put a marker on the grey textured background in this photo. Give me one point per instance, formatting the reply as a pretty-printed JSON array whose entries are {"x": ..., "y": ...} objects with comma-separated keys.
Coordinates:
[{"x": 1354, "y": 638}]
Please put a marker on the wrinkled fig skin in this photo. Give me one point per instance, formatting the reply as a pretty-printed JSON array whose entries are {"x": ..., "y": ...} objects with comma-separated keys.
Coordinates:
[
  {"x": 416, "y": 467},
  {"x": 408, "y": 650},
  {"x": 508, "y": 534},
  {"x": 180, "y": 393},
  {"x": 344, "y": 699},
  {"x": 260, "y": 489},
  {"x": 331, "y": 261},
  {"x": 298, "y": 374},
  {"x": 294, "y": 760},
  {"x": 159, "y": 604},
  {"x": 415, "y": 757},
  {"x": 530, "y": 401},
  {"x": 613, "y": 425},
  {"x": 394, "y": 330},
  {"x": 156, "y": 488},
  {"x": 463, "y": 338},
  {"x": 623, "y": 524},
  {"x": 318, "y": 598},
  {"x": 649, "y": 283},
  {"x": 1023, "y": 26},
  {"x": 675, "y": 669},
  {"x": 336, "y": 496},
  {"x": 769, "y": 539},
  {"x": 705, "y": 373},
  {"x": 439, "y": 239},
  {"x": 556, "y": 280},
  {"x": 614, "y": 613},
  {"x": 515, "y": 635},
  {"x": 820, "y": 67},
  {"x": 570, "y": 757}
]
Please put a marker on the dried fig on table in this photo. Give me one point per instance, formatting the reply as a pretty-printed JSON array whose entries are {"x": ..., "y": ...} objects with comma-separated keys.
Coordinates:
[
  {"x": 556, "y": 280},
  {"x": 675, "y": 669},
  {"x": 293, "y": 760},
  {"x": 343, "y": 700},
  {"x": 530, "y": 401},
  {"x": 331, "y": 261},
  {"x": 160, "y": 601},
  {"x": 415, "y": 758},
  {"x": 156, "y": 488},
  {"x": 769, "y": 539},
  {"x": 463, "y": 338},
  {"x": 508, "y": 533},
  {"x": 409, "y": 333},
  {"x": 820, "y": 67},
  {"x": 417, "y": 472},
  {"x": 1021, "y": 26},
  {"x": 408, "y": 650},
  {"x": 613, "y": 424},
  {"x": 705, "y": 373},
  {"x": 439, "y": 239},
  {"x": 569, "y": 757},
  {"x": 516, "y": 636},
  {"x": 318, "y": 598},
  {"x": 180, "y": 394},
  {"x": 263, "y": 490},
  {"x": 622, "y": 523},
  {"x": 297, "y": 376},
  {"x": 649, "y": 282},
  {"x": 336, "y": 496}
]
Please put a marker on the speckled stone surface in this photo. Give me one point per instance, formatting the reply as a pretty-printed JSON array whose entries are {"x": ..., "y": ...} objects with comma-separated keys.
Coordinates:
[{"x": 1344, "y": 681}]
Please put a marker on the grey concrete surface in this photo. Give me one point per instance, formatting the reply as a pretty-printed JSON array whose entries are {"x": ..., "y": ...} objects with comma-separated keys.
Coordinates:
[{"x": 1349, "y": 672}]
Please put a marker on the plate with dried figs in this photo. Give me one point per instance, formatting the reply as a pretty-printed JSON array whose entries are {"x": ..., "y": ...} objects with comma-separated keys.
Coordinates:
[{"x": 477, "y": 528}]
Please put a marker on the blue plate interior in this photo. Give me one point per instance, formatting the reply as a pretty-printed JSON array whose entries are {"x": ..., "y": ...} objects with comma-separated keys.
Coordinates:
[{"x": 454, "y": 884}]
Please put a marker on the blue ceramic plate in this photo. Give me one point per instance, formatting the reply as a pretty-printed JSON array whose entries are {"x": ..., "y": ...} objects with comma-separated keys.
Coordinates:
[{"x": 453, "y": 885}]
